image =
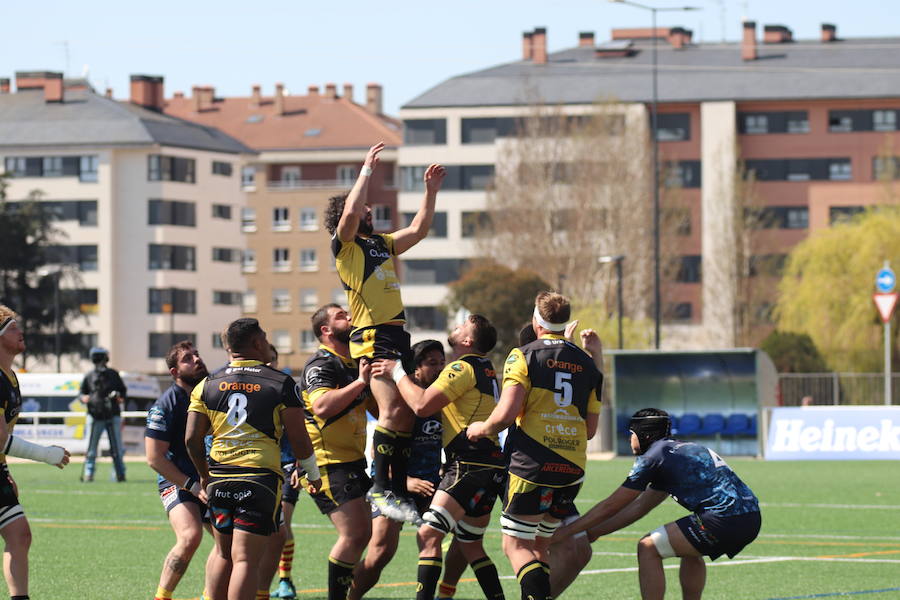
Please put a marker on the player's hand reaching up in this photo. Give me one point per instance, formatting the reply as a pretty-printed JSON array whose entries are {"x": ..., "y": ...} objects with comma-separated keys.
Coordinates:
[
  {"x": 590, "y": 341},
  {"x": 372, "y": 155},
  {"x": 434, "y": 178}
]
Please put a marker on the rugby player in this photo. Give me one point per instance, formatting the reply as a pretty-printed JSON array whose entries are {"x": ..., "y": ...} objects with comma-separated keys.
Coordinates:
[
  {"x": 247, "y": 406},
  {"x": 365, "y": 264},
  {"x": 13, "y": 524},
  {"x": 474, "y": 474},
  {"x": 422, "y": 480},
  {"x": 178, "y": 481},
  {"x": 335, "y": 394},
  {"x": 550, "y": 389},
  {"x": 725, "y": 515}
]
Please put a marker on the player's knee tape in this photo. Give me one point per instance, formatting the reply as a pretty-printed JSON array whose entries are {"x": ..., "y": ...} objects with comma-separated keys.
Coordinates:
[
  {"x": 660, "y": 539},
  {"x": 467, "y": 534},
  {"x": 518, "y": 529},
  {"x": 545, "y": 529},
  {"x": 438, "y": 518}
]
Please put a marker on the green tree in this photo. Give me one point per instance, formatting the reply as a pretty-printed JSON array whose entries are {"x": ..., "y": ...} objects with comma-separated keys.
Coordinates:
[
  {"x": 793, "y": 353},
  {"x": 827, "y": 288}
]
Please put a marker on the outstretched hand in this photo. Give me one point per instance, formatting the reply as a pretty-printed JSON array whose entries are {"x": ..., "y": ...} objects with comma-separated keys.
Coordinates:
[
  {"x": 590, "y": 341},
  {"x": 372, "y": 155},
  {"x": 434, "y": 178},
  {"x": 65, "y": 459}
]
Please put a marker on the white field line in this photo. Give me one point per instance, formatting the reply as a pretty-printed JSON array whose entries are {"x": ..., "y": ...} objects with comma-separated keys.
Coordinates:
[
  {"x": 796, "y": 505},
  {"x": 801, "y": 536},
  {"x": 745, "y": 559}
]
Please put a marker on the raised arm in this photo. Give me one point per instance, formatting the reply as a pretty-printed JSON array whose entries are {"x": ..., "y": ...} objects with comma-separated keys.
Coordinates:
[
  {"x": 355, "y": 205},
  {"x": 409, "y": 236}
]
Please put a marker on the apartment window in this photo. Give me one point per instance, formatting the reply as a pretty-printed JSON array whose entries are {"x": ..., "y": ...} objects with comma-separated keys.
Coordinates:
[
  {"x": 281, "y": 300},
  {"x": 684, "y": 174},
  {"x": 248, "y": 262},
  {"x": 800, "y": 169},
  {"x": 459, "y": 177},
  {"x": 308, "y": 341},
  {"x": 217, "y": 342},
  {"x": 161, "y": 342},
  {"x": 771, "y": 265},
  {"x": 338, "y": 296},
  {"x": 85, "y": 256},
  {"x": 87, "y": 168},
  {"x": 281, "y": 219},
  {"x": 886, "y": 167},
  {"x": 171, "y": 212},
  {"x": 281, "y": 339},
  {"x": 438, "y": 223},
  {"x": 308, "y": 219},
  {"x": 248, "y": 178},
  {"x": 756, "y": 124},
  {"x": 486, "y": 131},
  {"x": 308, "y": 260},
  {"x": 228, "y": 255},
  {"x": 309, "y": 299},
  {"x": 347, "y": 174},
  {"x": 842, "y": 214},
  {"x": 412, "y": 179},
  {"x": 689, "y": 270},
  {"x": 248, "y": 220},
  {"x": 170, "y": 168},
  {"x": 83, "y": 211},
  {"x": 474, "y": 222},
  {"x": 290, "y": 176},
  {"x": 884, "y": 120},
  {"x": 172, "y": 257},
  {"x": 221, "y": 211},
  {"x": 797, "y": 122},
  {"x": 381, "y": 217},
  {"x": 840, "y": 121},
  {"x": 169, "y": 300},
  {"x": 779, "y": 217},
  {"x": 773, "y": 122},
  {"x": 248, "y": 301},
  {"x": 426, "y": 318},
  {"x": 426, "y": 272},
  {"x": 673, "y": 127},
  {"x": 281, "y": 259},
  {"x": 678, "y": 312},
  {"x": 227, "y": 298},
  {"x": 424, "y": 132},
  {"x": 221, "y": 168},
  {"x": 87, "y": 300},
  {"x": 840, "y": 170},
  {"x": 53, "y": 166}
]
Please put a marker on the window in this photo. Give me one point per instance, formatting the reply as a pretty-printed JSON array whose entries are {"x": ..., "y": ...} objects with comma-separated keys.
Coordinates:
[
  {"x": 248, "y": 220},
  {"x": 87, "y": 168},
  {"x": 216, "y": 341},
  {"x": 438, "y": 223},
  {"x": 281, "y": 259},
  {"x": 338, "y": 296},
  {"x": 309, "y": 299},
  {"x": 756, "y": 124},
  {"x": 169, "y": 300},
  {"x": 281, "y": 219},
  {"x": 839, "y": 170},
  {"x": 85, "y": 256},
  {"x": 801, "y": 169},
  {"x": 779, "y": 217},
  {"x": 678, "y": 312},
  {"x": 170, "y": 168},
  {"x": 290, "y": 176},
  {"x": 248, "y": 178},
  {"x": 281, "y": 300},
  {"x": 87, "y": 300},
  {"x": 172, "y": 257},
  {"x": 161, "y": 342},
  {"x": 797, "y": 122},
  {"x": 171, "y": 212},
  {"x": 884, "y": 120},
  {"x": 381, "y": 217},
  {"x": 83, "y": 211},
  {"x": 227, "y": 298},
  {"x": 886, "y": 167},
  {"x": 486, "y": 131},
  {"x": 773, "y": 122},
  {"x": 347, "y": 174},
  {"x": 840, "y": 121},
  {"x": 248, "y": 263},
  {"x": 221, "y": 211},
  {"x": 84, "y": 167},
  {"x": 221, "y": 168},
  {"x": 412, "y": 179},
  {"x": 226, "y": 255},
  {"x": 308, "y": 219},
  {"x": 423, "y": 132},
  {"x": 683, "y": 174},
  {"x": 673, "y": 127},
  {"x": 438, "y": 271},
  {"x": 689, "y": 269},
  {"x": 771, "y": 265},
  {"x": 281, "y": 339},
  {"x": 308, "y": 260},
  {"x": 308, "y": 341},
  {"x": 248, "y": 300},
  {"x": 475, "y": 222},
  {"x": 842, "y": 214},
  {"x": 426, "y": 318}
]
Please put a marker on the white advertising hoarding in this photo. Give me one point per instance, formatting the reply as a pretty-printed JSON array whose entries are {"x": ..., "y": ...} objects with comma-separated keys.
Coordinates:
[{"x": 834, "y": 433}]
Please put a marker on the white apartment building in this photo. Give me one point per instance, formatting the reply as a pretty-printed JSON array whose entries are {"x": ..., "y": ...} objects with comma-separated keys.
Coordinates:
[{"x": 150, "y": 209}]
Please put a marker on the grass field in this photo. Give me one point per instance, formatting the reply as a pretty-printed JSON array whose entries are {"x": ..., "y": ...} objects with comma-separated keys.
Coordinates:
[{"x": 829, "y": 529}]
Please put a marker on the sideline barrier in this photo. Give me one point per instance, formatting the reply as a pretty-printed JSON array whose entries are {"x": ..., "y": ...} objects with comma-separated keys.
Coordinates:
[
  {"x": 71, "y": 432},
  {"x": 833, "y": 433}
]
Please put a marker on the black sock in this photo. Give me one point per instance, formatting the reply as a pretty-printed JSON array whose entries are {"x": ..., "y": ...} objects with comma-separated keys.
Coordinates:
[
  {"x": 429, "y": 573},
  {"x": 399, "y": 461},
  {"x": 534, "y": 581},
  {"x": 488, "y": 579},
  {"x": 25, "y": 597},
  {"x": 340, "y": 576},
  {"x": 384, "y": 442}
]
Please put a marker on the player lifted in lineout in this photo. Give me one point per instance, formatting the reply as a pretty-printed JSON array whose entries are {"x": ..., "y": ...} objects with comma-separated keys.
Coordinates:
[{"x": 365, "y": 264}]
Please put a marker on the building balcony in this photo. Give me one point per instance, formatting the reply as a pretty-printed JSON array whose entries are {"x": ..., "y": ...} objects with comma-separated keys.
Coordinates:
[{"x": 314, "y": 184}]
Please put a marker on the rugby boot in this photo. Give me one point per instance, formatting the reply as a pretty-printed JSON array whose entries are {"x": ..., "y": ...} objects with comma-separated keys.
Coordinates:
[
  {"x": 387, "y": 504},
  {"x": 410, "y": 512},
  {"x": 285, "y": 590}
]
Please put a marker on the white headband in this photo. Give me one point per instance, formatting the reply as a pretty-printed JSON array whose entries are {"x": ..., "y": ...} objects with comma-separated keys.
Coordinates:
[
  {"x": 6, "y": 325},
  {"x": 545, "y": 324}
]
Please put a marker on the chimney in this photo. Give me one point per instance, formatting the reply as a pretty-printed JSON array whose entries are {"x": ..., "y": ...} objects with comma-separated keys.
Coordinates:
[
  {"x": 49, "y": 81},
  {"x": 109, "y": 93},
  {"x": 202, "y": 97},
  {"x": 177, "y": 95},
  {"x": 748, "y": 46},
  {"x": 279, "y": 98},
  {"x": 829, "y": 32},
  {"x": 147, "y": 91},
  {"x": 679, "y": 37},
  {"x": 777, "y": 34},
  {"x": 331, "y": 90},
  {"x": 256, "y": 96},
  {"x": 4, "y": 85},
  {"x": 373, "y": 98},
  {"x": 348, "y": 91},
  {"x": 586, "y": 39},
  {"x": 313, "y": 91},
  {"x": 527, "y": 45},
  {"x": 539, "y": 46}
]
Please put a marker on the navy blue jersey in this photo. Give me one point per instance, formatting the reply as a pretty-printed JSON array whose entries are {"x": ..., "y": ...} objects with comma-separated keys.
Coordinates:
[
  {"x": 425, "y": 452},
  {"x": 166, "y": 421},
  {"x": 695, "y": 476},
  {"x": 287, "y": 453}
]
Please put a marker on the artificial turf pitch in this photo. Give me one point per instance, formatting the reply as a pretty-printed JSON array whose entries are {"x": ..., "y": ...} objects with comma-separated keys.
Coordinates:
[{"x": 830, "y": 529}]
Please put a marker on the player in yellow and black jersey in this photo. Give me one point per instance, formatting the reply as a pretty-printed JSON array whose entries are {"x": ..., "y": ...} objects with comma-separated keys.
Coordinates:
[
  {"x": 551, "y": 390},
  {"x": 365, "y": 264},
  {"x": 466, "y": 391},
  {"x": 335, "y": 397},
  {"x": 247, "y": 406}
]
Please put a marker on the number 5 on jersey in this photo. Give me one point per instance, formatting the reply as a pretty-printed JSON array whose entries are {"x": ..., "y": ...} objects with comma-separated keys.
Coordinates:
[{"x": 563, "y": 394}]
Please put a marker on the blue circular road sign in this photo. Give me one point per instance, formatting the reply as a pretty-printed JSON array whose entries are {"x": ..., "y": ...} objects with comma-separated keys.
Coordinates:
[{"x": 885, "y": 280}]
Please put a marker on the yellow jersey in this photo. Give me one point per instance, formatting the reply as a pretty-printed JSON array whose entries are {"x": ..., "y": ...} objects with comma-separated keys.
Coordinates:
[
  {"x": 10, "y": 401},
  {"x": 366, "y": 268}
]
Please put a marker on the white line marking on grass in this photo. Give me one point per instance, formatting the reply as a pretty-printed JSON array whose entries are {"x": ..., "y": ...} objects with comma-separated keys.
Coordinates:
[
  {"x": 825, "y": 536},
  {"x": 88, "y": 493},
  {"x": 830, "y": 506}
]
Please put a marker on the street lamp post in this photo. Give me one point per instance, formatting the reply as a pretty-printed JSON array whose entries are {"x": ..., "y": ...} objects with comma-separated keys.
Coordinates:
[
  {"x": 617, "y": 259},
  {"x": 653, "y": 118}
]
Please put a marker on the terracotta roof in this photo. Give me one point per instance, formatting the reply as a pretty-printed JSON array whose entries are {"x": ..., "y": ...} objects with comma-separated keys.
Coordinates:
[{"x": 313, "y": 122}]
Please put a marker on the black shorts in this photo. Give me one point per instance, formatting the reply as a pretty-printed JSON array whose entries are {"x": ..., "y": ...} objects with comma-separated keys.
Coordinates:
[
  {"x": 381, "y": 341},
  {"x": 714, "y": 535},
  {"x": 250, "y": 503},
  {"x": 341, "y": 483},
  {"x": 10, "y": 509},
  {"x": 289, "y": 494},
  {"x": 474, "y": 487},
  {"x": 171, "y": 496},
  {"x": 526, "y": 498}
]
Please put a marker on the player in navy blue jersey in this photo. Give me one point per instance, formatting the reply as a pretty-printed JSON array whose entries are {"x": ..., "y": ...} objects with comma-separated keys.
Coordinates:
[{"x": 725, "y": 513}]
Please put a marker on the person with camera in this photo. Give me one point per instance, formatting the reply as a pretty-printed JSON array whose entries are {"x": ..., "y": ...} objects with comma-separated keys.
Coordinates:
[{"x": 103, "y": 391}]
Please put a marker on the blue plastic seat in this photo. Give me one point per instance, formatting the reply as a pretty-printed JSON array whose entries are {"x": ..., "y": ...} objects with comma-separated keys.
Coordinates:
[
  {"x": 688, "y": 424},
  {"x": 751, "y": 428},
  {"x": 674, "y": 421},
  {"x": 622, "y": 423},
  {"x": 713, "y": 424},
  {"x": 737, "y": 424}
]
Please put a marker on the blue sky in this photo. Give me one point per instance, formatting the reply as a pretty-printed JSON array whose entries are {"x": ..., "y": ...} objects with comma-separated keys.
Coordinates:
[{"x": 406, "y": 46}]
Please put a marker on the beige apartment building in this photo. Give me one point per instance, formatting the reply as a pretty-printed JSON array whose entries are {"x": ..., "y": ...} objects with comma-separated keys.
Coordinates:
[{"x": 309, "y": 147}]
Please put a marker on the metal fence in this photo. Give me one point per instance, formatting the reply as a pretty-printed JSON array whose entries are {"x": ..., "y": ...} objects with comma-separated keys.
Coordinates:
[{"x": 799, "y": 389}]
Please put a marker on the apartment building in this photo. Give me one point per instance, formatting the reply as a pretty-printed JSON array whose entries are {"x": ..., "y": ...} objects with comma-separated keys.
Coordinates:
[
  {"x": 145, "y": 201},
  {"x": 814, "y": 120},
  {"x": 309, "y": 147}
]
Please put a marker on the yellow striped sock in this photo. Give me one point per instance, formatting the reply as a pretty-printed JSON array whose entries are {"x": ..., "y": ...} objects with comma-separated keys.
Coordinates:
[{"x": 163, "y": 594}]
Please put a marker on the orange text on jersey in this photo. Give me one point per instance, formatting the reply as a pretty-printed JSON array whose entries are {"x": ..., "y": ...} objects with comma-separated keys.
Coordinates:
[
  {"x": 239, "y": 386},
  {"x": 564, "y": 365}
]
